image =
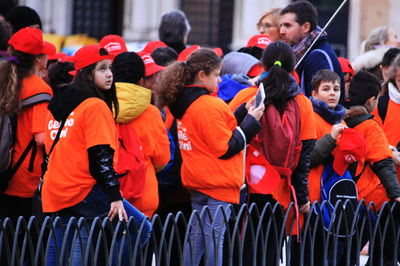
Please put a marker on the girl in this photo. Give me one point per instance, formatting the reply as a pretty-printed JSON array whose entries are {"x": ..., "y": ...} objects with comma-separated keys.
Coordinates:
[
  {"x": 144, "y": 119},
  {"x": 19, "y": 80},
  {"x": 80, "y": 180},
  {"x": 210, "y": 143}
]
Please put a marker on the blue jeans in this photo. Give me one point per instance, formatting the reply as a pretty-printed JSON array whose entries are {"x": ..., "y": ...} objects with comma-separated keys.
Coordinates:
[
  {"x": 96, "y": 204},
  {"x": 211, "y": 234}
]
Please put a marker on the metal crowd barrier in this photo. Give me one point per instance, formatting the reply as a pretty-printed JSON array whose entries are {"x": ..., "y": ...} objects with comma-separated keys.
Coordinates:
[{"x": 253, "y": 237}]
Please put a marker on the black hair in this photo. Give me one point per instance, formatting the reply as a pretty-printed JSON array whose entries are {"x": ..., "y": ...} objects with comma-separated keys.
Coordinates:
[
  {"x": 278, "y": 81},
  {"x": 324, "y": 75},
  {"x": 128, "y": 67},
  {"x": 254, "y": 51},
  {"x": 363, "y": 86},
  {"x": 59, "y": 76},
  {"x": 23, "y": 16},
  {"x": 389, "y": 56},
  {"x": 163, "y": 56},
  {"x": 84, "y": 81},
  {"x": 304, "y": 11},
  {"x": 5, "y": 35}
]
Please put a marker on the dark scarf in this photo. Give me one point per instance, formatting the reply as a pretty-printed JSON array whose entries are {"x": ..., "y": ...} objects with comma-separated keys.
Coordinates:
[
  {"x": 332, "y": 116},
  {"x": 184, "y": 99},
  {"x": 300, "y": 48}
]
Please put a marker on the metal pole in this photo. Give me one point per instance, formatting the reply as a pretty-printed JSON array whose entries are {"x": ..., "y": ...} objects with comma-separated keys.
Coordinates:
[{"x": 322, "y": 31}]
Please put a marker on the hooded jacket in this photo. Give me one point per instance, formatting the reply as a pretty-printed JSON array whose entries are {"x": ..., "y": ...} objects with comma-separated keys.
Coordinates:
[
  {"x": 84, "y": 115},
  {"x": 378, "y": 168},
  {"x": 145, "y": 120},
  {"x": 210, "y": 144}
]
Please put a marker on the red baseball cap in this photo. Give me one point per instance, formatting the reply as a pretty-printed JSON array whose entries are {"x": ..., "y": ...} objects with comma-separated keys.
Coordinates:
[
  {"x": 184, "y": 55},
  {"x": 259, "y": 40},
  {"x": 261, "y": 176},
  {"x": 51, "y": 51},
  {"x": 67, "y": 58},
  {"x": 150, "y": 67},
  {"x": 87, "y": 55},
  {"x": 256, "y": 70},
  {"x": 114, "y": 44},
  {"x": 28, "y": 40},
  {"x": 346, "y": 66},
  {"x": 351, "y": 148},
  {"x": 151, "y": 46}
]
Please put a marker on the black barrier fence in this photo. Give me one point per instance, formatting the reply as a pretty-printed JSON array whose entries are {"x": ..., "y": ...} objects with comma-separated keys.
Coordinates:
[{"x": 252, "y": 237}]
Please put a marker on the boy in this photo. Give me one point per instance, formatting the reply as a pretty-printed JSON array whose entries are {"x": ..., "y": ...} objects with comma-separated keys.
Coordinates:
[
  {"x": 376, "y": 179},
  {"x": 328, "y": 117}
]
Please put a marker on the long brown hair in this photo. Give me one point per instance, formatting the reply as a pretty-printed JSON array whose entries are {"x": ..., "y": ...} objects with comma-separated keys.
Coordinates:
[
  {"x": 180, "y": 74},
  {"x": 12, "y": 71}
]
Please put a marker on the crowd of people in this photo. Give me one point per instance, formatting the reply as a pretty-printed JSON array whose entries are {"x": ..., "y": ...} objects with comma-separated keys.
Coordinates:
[{"x": 114, "y": 133}]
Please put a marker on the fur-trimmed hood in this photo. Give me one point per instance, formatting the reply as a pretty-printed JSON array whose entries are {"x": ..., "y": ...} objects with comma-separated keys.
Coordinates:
[{"x": 369, "y": 59}]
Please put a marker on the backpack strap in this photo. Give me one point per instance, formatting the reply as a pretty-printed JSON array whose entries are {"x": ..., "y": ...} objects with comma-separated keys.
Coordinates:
[
  {"x": 30, "y": 101},
  {"x": 328, "y": 59},
  {"x": 383, "y": 106},
  {"x": 36, "y": 98}
]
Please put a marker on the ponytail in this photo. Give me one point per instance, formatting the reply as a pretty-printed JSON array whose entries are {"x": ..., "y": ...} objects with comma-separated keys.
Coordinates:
[
  {"x": 9, "y": 96},
  {"x": 173, "y": 79},
  {"x": 180, "y": 74},
  {"x": 278, "y": 59}
]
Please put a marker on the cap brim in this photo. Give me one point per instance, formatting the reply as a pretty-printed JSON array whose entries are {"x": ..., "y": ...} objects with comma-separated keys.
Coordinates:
[
  {"x": 151, "y": 70},
  {"x": 256, "y": 70},
  {"x": 72, "y": 73},
  {"x": 56, "y": 56}
]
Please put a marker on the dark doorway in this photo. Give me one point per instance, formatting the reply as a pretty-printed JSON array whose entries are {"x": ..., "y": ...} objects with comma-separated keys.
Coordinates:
[
  {"x": 211, "y": 22},
  {"x": 97, "y": 18},
  {"x": 338, "y": 29}
]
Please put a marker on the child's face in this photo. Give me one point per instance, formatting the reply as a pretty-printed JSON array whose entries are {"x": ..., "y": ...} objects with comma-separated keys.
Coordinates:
[
  {"x": 103, "y": 76},
  {"x": 210, "y": 81},
  {"x": 328, "y": 92},
  {"x": 397, "y": 79}
]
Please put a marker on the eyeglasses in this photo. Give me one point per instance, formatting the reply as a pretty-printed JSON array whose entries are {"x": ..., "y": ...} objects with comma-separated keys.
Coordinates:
[{"x": 265, "y": 25}]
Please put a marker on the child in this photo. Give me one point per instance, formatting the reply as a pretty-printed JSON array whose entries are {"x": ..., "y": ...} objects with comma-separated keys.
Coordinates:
[
  {"x": 145, "y": 120},
  {"x": 328, "y": 119},
  {"x": 210, "y": 143},
  {"x": 81, "y": 139},
  {"x": 388, "y": 109},
  {"x": 377, "y": 181},
  {"x": 19, "y": 80}
]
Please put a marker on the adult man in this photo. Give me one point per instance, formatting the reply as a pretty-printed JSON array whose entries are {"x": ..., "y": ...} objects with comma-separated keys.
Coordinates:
[{"x": 298, "y": 27}]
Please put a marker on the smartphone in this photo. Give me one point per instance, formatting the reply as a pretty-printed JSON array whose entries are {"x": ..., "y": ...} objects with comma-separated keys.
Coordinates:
[{"x": 260, "y": 96}]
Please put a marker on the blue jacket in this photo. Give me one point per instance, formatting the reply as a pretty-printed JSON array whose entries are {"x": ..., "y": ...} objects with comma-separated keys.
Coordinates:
[{"x": 315, "y": 61}]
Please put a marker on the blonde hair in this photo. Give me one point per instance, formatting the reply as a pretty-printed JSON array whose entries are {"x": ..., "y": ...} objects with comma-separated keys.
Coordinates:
[
  {"x": 378, "y": 36},
  {"x": 274, "y": 12}
]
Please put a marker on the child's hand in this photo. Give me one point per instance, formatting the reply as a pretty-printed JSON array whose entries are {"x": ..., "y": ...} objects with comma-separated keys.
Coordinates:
[
  {"x": 336, "y": 130},
  {"x": 256, "y": 112},
  {"x": 250, "y": 103},
  {"x": 305, "y": 208}
]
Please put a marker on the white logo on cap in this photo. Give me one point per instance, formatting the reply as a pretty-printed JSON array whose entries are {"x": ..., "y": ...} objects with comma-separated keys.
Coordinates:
[{"x": 113, "y": 46}]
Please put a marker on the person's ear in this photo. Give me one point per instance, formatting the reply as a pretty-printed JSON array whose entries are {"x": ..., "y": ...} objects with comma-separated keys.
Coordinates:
[
  {"x": 306, "y": 28},
  {"x": 201, "y": 75},
  {"x": 314, "y": 93}
]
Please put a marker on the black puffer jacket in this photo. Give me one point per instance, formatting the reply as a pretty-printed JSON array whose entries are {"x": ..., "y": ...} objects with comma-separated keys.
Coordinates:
[{"x": 100, "y": 156}]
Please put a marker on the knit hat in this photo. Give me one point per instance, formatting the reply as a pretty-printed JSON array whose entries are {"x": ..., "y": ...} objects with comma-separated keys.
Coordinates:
[
  {"x": 363, "y": 86},
  {"x": 128, "y": 67},
  {"x": 23, "y": 16},
  {"x": 237, "y": 63}
]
